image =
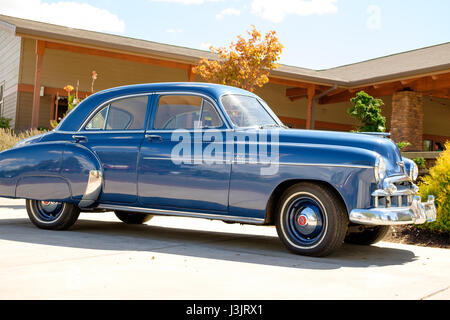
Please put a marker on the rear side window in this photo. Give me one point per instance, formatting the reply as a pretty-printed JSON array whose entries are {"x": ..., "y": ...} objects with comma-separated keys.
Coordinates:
[
  {"x": 124, "y": 114},
  {"x": 185, "y": 112}
]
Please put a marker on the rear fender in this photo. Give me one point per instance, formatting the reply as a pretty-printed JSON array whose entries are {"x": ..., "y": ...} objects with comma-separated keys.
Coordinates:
[{"x": 54, "y": 171}]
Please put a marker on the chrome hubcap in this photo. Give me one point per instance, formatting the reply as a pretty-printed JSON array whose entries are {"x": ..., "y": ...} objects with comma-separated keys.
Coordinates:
[
  {"x": 48, "y": 211},
  {"x": 305, "y": 220}
]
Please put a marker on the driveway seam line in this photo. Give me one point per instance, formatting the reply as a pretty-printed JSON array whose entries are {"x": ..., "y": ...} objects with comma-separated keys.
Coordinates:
[{"x": 435, "y": 293}]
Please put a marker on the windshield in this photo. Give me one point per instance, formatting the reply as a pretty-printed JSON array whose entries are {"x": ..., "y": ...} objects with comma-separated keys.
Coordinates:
[{"x": 247, "y": 111}]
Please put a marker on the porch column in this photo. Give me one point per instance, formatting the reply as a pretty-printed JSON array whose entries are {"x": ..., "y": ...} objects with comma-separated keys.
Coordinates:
[
  {"x": 310, "y": 109},
  {"x": 191, "y": 74},
  {"x": 40, "y": 49},
  {"x": 407, "y": 119}
]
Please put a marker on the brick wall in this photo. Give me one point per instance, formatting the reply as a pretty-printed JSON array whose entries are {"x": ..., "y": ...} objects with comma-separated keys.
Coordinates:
[{"x": 407, "y": 119}]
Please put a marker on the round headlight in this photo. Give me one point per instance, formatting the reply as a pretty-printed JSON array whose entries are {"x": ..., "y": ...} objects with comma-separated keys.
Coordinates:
[
  {"x": 380, "y": 169},
  {"x": 414, "y": 171}
]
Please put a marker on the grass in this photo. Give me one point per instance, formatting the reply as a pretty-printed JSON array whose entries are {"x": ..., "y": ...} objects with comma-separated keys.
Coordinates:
[{"x": 9, "y": 138}]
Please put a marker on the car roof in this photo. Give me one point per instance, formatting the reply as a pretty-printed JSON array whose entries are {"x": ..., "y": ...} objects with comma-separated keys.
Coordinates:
[{"x": 211, "y": 89}]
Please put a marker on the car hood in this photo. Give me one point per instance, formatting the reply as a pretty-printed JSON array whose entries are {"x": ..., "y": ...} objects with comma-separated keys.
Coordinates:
[{"x": 381, "y": 145}]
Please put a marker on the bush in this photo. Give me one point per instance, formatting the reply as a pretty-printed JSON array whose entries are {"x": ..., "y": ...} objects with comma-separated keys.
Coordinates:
[
  {"x": 5, "y": 123},
  {"x": 437, "y": 183},
  {"x": 367, "y": 110},
  {"x": 421, "y": 163},
  {"x": 402, "y": 145},
  {"x": 9, "y": 138}
]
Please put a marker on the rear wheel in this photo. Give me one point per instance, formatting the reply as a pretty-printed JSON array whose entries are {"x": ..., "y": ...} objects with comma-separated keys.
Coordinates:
[
  {"x": 133, "y": 218},
  {"x": 311, "y": 220},
  {"x": 52, "y": 215},
  {"x": 368, "y": 236}
]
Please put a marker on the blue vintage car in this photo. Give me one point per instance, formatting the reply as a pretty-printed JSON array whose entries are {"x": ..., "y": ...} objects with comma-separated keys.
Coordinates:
[{"x": 215, "y": 152}]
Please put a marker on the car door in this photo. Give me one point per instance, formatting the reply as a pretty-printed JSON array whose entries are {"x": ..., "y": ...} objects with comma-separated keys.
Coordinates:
[
  {"x": 114, "y": 133},
  {"x": 196, "y": 183}
]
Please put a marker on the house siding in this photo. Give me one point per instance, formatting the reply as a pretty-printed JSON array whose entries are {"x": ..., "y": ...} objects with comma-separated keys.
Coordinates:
[
  {"x": 25, "y": 108},
  {"x": 9, "y": 72},
  {"x": 62, "y": 67}
]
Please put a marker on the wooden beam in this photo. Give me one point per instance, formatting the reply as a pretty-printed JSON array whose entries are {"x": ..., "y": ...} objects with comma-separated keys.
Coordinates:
[
  {"x": 409, "y": 81},
  {"x": 428, "y": 84},
  {"x": 336, "y": 92},
  {"x": 344, "y": 96},
  {"x": 381, "y": 91},
  {"x": 116, "y": 55},
  {"x": 295, "y": 92},
  {"x": 353, "y": 90},
  {"x": 40, "y": 49},
  {"x": 297, "y": 83},
  {"x": 293, "y": 99},
  {"x": 443, "y": 94},
  {"x": 310, "y": 111}
]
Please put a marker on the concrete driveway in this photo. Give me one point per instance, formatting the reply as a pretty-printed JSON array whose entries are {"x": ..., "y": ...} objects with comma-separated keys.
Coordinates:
[{"x": 181, "y": 258}]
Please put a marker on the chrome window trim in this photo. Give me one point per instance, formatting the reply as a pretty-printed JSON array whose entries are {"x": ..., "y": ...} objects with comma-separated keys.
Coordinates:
[
  {"x": 94, "y": 112},
  {"x": 100, "y": 131},
  {"x": 204, "y": 96},
  {"x": 106, "y": 117}
]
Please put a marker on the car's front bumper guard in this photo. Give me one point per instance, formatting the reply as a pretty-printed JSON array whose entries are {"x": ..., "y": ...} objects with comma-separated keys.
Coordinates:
[{"x": 418, "y": 213}]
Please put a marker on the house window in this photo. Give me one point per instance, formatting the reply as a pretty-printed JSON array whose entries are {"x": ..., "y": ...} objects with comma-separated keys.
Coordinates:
[{"x": 2, "y": 90}]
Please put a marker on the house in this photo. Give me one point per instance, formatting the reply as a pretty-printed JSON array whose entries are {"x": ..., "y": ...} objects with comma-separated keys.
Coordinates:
[{"x": 37, "y": 60}]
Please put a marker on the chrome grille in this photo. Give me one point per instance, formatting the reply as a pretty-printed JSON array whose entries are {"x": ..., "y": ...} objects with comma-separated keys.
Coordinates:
[{"x": 402, "y": 197}]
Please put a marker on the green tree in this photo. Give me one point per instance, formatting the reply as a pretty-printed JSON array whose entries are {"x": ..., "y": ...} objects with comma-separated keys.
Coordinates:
[{"x": 367, "y": 110}]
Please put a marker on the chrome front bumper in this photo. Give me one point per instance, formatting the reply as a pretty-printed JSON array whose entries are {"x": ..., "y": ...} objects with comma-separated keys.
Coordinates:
[
  {"x": 396, "y": 204},
  {"x": 418, "y": 213}
]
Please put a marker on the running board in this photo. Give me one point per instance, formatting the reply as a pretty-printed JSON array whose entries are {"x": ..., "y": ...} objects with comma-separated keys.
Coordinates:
[{"x": 164, "y": 212}]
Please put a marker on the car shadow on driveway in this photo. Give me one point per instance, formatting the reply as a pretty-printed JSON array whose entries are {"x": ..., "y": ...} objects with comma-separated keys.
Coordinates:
[{"x": 237, "y": 247}]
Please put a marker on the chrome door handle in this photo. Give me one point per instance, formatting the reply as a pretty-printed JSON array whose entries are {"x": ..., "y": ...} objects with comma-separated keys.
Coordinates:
[
  {"x": 152, "y": 137},
  {"x": 79, "y": 139}
]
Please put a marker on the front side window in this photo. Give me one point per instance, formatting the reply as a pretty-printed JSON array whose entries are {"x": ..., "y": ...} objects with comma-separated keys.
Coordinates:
[
  {"x": 246, "y": 111},
  {"x": 124, "y": 114},
  {"x": 185, "y": 112}
]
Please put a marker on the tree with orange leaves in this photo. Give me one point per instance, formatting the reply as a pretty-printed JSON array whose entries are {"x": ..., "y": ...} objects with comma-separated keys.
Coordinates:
[{"x": 244, "y": 64}]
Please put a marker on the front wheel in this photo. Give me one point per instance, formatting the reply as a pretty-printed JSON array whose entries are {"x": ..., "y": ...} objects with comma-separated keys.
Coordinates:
[
  {"x": 52, "y": 215},
  {"x": 311, "y": 220}
]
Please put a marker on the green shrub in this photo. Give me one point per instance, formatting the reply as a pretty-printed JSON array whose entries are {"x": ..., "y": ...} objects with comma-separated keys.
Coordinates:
[
  {"x": 402, "y": 145},
  {"x": 437, "y": 183},
  {"x": 367, "y": 110},
  {"x": 9, "y": 138},
  {"x": 420, "y": 162},
  {"x": 5, "y": 123}
]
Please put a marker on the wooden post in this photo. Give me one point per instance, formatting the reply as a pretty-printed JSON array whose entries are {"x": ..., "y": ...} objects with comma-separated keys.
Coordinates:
[
  {"x": 57, "y": 104},
  {"x": 52, "y": 110},
  {"x": 191, "y": 74},
  {"x": 309, "y": 111},
  {"x": 40, "y": 49}
]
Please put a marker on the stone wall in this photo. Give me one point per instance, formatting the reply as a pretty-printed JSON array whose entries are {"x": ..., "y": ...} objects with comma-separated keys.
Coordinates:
[{"x": 407, "y": 119}]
